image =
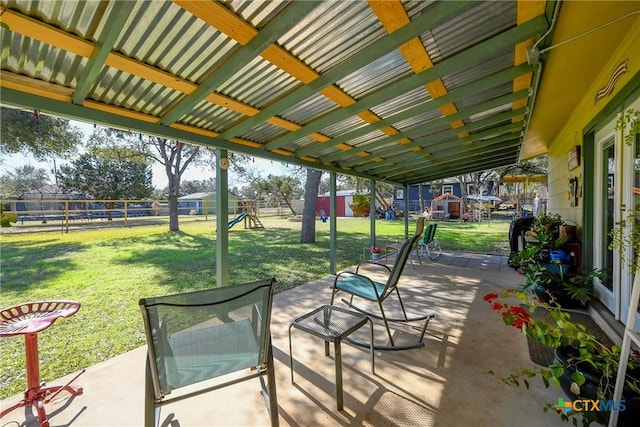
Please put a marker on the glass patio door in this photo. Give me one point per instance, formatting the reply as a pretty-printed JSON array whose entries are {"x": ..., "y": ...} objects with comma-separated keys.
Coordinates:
[
  {"x": 630, "y": 204},
  {"x": 617, "y": 184},
  {"x": 604, "y": 212}
]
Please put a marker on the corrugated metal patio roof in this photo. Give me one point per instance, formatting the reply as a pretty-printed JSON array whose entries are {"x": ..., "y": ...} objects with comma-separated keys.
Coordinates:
[{"x": 400, "y": 91}]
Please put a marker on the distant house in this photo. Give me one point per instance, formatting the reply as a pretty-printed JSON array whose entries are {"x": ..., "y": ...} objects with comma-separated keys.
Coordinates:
[
  {"x": 202, "y": 203},
  {"x": 197, "y": 204},
  {"x": 48, "y": 199},
  {"x": 453, "y": 188}
]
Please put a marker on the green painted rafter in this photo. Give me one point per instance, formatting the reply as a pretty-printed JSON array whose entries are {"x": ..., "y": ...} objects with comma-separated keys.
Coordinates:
[
  {"x": 294, "y": 12},
  {"x": 439, "y": 123},
  {"x": 468, "y": 90},
  {"x": 437, "y": 15},
  {"x": 444, "y": 139},
  {"x": 473, "y": 55},
  {"x": 118, "y": 16},
  {"x": 67, "y": 110}
]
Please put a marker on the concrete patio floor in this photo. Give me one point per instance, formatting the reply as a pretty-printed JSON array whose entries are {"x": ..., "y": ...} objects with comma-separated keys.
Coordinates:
[{"x": 442, "y": 384}]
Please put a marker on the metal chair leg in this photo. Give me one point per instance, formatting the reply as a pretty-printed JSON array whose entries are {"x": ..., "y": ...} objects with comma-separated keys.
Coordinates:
[
  {"x": 271, "y": 394},
  {"x": 151, "y": 413},
  {"x": 386, "y": 324},
  {"x": 404, "y": 312}
]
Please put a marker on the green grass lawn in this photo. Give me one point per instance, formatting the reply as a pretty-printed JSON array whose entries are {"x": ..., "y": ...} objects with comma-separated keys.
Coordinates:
[{"x": 108, "y": 270}]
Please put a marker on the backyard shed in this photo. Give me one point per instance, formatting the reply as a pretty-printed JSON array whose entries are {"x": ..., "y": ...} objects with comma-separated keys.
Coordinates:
[
  {"x": 446, "y": 206},
  {"x": 343, "y": 199}
]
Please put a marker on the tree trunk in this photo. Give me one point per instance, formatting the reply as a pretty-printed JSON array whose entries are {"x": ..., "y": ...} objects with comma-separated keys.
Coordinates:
[
  {"x": 174, "y": 191},
  {"x": 173, "y": 212},
  {"x": 380, "y": 200},
  {"x": 308, "y": 233},
  {"x": 288, "y": 203},
  {"x": 110, "y": 207},
  {"x": 175, "y": 159}
]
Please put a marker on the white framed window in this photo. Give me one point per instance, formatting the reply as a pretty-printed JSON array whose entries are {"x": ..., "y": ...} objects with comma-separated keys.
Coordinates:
[
  {"x": 447, "y": 189},
  {"x": 400, "y": 194},
  {"x": 470, "y": 189}
]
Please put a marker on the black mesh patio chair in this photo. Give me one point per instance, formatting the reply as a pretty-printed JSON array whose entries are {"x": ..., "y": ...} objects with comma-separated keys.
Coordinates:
[
  {"x": 359, "y": 285},
  {"x": 220, "y": 333}
]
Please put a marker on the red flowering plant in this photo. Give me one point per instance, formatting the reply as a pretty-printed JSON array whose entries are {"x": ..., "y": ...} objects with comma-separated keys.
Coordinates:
[
  {"x": 584, "y": 356},
  {"x": 513, "y": 315}
]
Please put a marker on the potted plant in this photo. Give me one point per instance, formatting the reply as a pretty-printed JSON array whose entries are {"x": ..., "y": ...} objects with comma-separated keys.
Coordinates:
[
  {"x": 584, "y": 367},
  {"x": 360, "y": 205},
  {"x": 546, "y": 229},
  {"x": 6, "y": 218},
  {"x": 549, "y": 271},
  {"x": 570, "y": 289},
  {"x": 543, "y": 238}
]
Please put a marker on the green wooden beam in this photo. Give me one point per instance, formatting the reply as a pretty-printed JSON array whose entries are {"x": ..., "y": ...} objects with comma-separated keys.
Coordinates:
[
  {"x": 222, "y": 219},
  {"x": 507, "y": 158},
  {"x": 445, "y": 140},
  {"x": 291, "y": 16},
  {"x": 465, "y": 91},
  {"x": 114, "y": 23},
  {"x": 29, "y": 101},
  {"x": 435, "y": 16},
  {"x": 434, "y": 139},
  {"x": 453, "y": 155},
  {"x": 466, "y": 58}
]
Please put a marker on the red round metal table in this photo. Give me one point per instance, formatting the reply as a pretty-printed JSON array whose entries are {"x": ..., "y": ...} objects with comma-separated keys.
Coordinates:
[{"x": 28, "y": 319}]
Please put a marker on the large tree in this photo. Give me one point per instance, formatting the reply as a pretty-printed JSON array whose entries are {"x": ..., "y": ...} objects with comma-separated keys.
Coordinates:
[
  {"x": 280, "y": 189},
  {"x": 312, "y": 184},
  {"x": 174, "y": 156},
  {"x": 537, "y": 166},
  {"x": 108, "y": 173},
  {"x": 37, "y": 134},
  {"x": 384, "y": 191},
  {"x": 23, "y": 179}
]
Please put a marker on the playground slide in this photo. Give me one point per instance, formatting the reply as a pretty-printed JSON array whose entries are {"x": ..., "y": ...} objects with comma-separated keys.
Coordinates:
[{"x": 237, "y": 220}]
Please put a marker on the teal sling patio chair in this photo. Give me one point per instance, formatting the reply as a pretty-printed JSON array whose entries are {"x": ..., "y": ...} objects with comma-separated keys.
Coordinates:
[
  {"x": 220, "y": 333},
  {"x": 361, "y": 286},
  {"x": 428, "y": 242}
]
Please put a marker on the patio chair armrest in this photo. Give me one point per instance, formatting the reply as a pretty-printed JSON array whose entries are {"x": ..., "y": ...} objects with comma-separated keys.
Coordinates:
[
  {"x": 393, "y": 245},
  {"x": 397, "y": 241},
  {"x": 372, "y": 263}
]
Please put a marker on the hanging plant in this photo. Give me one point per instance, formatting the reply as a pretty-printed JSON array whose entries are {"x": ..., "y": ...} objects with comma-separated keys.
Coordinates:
[
  {"x": 621, "y": 240},
  {"x": 360, "y": 205},
  {"x": 629, "y": 120}
]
